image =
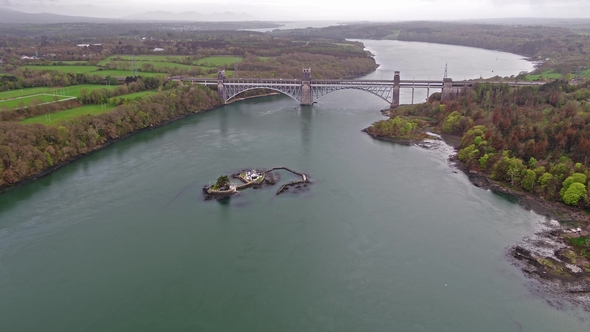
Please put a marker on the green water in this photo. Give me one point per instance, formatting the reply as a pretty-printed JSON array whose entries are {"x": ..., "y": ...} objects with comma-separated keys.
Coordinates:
[{"x": 388, "y": 238}]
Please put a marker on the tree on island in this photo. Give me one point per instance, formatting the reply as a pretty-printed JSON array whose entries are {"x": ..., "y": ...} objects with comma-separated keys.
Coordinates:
[{"x": 222, "y": 182}]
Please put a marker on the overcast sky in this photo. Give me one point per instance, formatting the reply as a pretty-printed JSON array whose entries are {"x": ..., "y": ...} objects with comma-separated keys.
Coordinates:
[{"x": 389, "y": 10}]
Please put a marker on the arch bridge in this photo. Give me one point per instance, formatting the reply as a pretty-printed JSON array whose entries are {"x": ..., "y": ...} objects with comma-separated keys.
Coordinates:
[{"x": 307, "y": 91}]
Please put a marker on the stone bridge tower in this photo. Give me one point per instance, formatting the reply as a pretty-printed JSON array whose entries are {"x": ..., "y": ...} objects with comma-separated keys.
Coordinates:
[
  {"x": 306, "y": 93},
  {"x": 449, "y": 91},
  {"x": 395, "y": 92},
  {"x": 220, "y": 83}
]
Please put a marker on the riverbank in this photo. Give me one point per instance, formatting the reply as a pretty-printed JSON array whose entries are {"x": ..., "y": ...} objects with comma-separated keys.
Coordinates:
[
  {"x": 47, "y": 171},
  {"x": 548, "y": 256},
  {"x": 4, "y": 188},
  {"x": 397, "y": 140}
]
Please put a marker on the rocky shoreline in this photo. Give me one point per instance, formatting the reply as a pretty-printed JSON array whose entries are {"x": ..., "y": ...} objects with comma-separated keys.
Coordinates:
[
  {"x": 548, "y": 256},
  {"x": 396, "y": 140}
]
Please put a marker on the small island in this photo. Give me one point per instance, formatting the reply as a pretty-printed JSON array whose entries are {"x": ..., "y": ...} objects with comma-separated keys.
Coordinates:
[{"x": 223, "y": 188}]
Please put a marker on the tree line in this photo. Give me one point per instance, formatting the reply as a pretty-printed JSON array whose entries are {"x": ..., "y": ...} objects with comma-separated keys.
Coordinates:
[{"x": 28, "y": 150}]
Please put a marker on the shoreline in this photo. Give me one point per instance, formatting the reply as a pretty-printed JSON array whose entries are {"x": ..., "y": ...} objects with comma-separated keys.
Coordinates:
[
  {"x": 32, "y": 178},
  {"x": 563, "y": 273},
  {"x": 35, "y": 177}
]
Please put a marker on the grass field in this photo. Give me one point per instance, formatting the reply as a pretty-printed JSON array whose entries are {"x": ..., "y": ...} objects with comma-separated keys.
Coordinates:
[
  {"x": 136, "y": 95},
  {"x": 55, "y": 118},
  {"x": 125, "y": 73},
  {"x": 93, "y": 70},
  {"x": 156, "y": 64},
  {"x": 544, "y": 75},
  {"x": 148, "y": 58},
  {"x": 73, "y": 113},
  {"x": 70, "y": 63},
  {"x": 43, "y": 98},
  {"x": 73, "y": 91},
  {"x": 65, "y": 69},
  {"x": 586, "y": 73},
  {"x": 22, "y": 92},
  {"x": 217, "y": 61}
]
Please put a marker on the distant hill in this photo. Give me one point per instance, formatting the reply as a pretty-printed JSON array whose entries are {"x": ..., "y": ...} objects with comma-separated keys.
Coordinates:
[
  {"x": 189, "y": 16},
  {"x": 14, "y": 16},
  {"x": 532, "y": 21}
]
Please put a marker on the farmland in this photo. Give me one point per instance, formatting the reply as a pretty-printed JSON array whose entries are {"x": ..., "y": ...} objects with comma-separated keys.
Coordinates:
[
  {"x": 140, "y": 65},
  {"x": 55, "y": 118},
  {"x": 29, "y": 100},
  {"x": 549, "y": 74},
  {"x": 91, "y": 70},
  {"x": 65, "y": 69},
  {"x": 219, "y": 61},
  {"x": 145, "y": 58},
  {"x": 125, "y": 73},
  {"x": 23, "y": 92},
  {"x": 73, "y": 91}
]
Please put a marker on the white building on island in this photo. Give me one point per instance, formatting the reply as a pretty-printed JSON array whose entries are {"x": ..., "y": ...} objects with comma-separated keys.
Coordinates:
[{"x": 252, "y": 176}]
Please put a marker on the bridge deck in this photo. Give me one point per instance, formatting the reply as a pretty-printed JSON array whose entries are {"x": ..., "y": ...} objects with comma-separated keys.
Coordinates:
[{"x": 345, "y": 82}]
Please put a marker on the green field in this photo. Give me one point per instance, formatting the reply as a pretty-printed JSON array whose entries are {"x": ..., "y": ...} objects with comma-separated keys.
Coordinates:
[
  {"x": 156, "y": 64},
  {"x": 55, "y": 118},
  {"x": 125, "y": 73},
  {"x": 65, "y": 69},
  {"x": 160, "y": 62},
  {"x": 133, "y": 96},
  {"x": 92, "y": 70},
  {"x": 544, "y": 75},
  {"x": 586, "y": 73},
  {"x": 70, "y": 63},
  {"x": 148, "y": 58},
  {"x": 22, "y": 92},
  {"x": 73, "y": 91},
  {"x": 219, "y": 61},
  {"x": 25, "y": 101}
]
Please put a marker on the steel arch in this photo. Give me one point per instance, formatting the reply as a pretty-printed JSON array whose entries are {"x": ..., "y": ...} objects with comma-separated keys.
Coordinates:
[
  {"x": 383, "y": 92},
  {"x": 238, "y": 91}
]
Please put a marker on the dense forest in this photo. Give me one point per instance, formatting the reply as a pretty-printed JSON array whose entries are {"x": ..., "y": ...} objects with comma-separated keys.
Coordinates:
[{"x": 535, "y": 139}]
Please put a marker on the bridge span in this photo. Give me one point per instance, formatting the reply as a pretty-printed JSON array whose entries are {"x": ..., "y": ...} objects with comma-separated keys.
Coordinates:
[{"x": 307, "y": 91}]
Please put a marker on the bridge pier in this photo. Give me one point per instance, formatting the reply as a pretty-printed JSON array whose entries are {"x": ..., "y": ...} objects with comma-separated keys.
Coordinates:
[
  {"x": 221, "y": 84},
  {"x": 395, "y": 92},
  {"x": 449, "y": 91},
  {"x": 306, "y": 92}
]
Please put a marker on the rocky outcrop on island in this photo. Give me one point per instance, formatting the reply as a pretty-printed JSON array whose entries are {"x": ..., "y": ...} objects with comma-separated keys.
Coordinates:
[{"x": 253, "y": 179}]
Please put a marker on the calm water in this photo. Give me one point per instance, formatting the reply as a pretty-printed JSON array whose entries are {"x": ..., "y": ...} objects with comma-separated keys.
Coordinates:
[{"x": 388, "y": 238}]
